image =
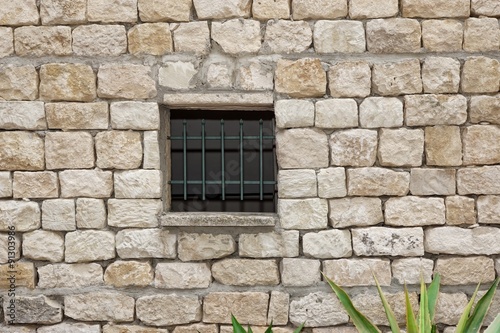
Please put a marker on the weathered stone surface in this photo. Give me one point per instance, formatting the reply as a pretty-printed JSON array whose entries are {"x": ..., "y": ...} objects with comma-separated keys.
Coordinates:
[
  {"x": 317, "y": 309},
  {"x": 145, "y": 243},
  {"x": 271, "y": 244},
  {"x": 485, "y": 7},
  {"x": 70, "y": 116},
  {"x": 294, "y": 113},
  {"x": 177, "y": 75},
  {"x": 356, "y": 147},
  {"x": 17, "y": 328},
  {"x": 112, "y": 328},
  {"x": 350, "y": 79},
  {"x": 35, "y": 185},
  {"x": 99, "y": 40},
  {"x": 254, "y": 75},
  {"x": 297, "y": 183},
  {"x": 25, "y": 216},
  {"x": 23, "y": 12},
  {"x": 401, "y": 147},
  {"x": 436, "y": 8},
  {"x": 460, "y": 210},
  {"x": 67, "y": 82},
  {"x": 363, "y": 9},
  {"x": 112, "y": 11},
  {"x": 358, "y": 211},
  {"x": 302, "y": 148},
  {"x": 278, "y": 308},
  {"x": 481, "y": 35},
  {"x": 426, "y": 181},
  {"x": 58, "y": 214},
  {"x": 151, "y": 151},
  {"x": 414, "y": 211},
  {"x": 43, "y": 245},
  {"x": 192, "y": 37},
  {"x": 25, "y": 274},
  {"x": 248, "y": 307},
  {"x": 206, "y": 9},
  {"x": 287, "y": 37},
  {"x": 481, "y": 75},
  {"x": 382, "y": 241},
  {"x": 488, "y": 209},
  {"x": 327, "y": 244},
  {"x": 302, "y": 78},
  {"x": 423, "y": 110},
  {"x": 241, "y": 272},
  {"x": 237, "y": 36},
  {"x": 331, "y": 183},
  {"x": 440, "y": 75},
  {"x": 125, "y": 81},
  {"x": 127, "y": 213},
  {"x": 129, "y": 274},
  {"x": 397, "y": 78},
  {"x": 395, "y": 35},
  {"x": 99, "y": 306},
  {"x": 336, "y": 329},
  {"x": 358, "y": 272},
  {"x": 182, "y": 275},
  {"x": 162, "y": 310},
  {"x": 460, "y": 241},
  {"x": 5, "y": 185},
  {"x": 205, "y": 246},
  {"x": 271, "y": 9},
  {"x": 298, "y": 272},
  {"x": 460, "y": 271},
  {"x": 90, "y": 213},
  {"x": 479, "y": 180},
  {"x": 336, "y": 113},
  {"x": 69, "y": 150},
  {"x": 220, "y": 73},
  {"x": 481, "y": 144},
  {"x": 135, "y": 115},
  {"x": 443, "y": 145},
  {"x": 86, "y": 183},
  {"x": 318, "y": 9},
  {"x": 22, "y": 115},
  {"x": 377, "y": 112},
  {"x": 220, "y": 100},
  {"x": 118, "y": 149},
  {"x": 138, "y": 184},
  {"x": 69, "y": 275},
  {"x": 18, "y": 82},
  {"x": 70, "y": 327},
  {"x": 150, "y": 38},
  {"x": 449, "y": 307},
  {"x": 194, "y": 328},
  {"x": 170, "y": 10},
  {"x": 80, "y": 246},
  {"x": 303, "y": 213},
  {"x": 377, "y": 182},
  {"x": 10, "y": 244},
  {"x": 6, "y": 42},
  {"x": 369, "y": 303},
  {"x": 36, "y": 310},
  {"x": 484, "y": 108},
  {"x": 411, "y": 270},
  {"x": 63, "y": 11},
  {"x": 42, "y": 41},
  {"x": 442, "y": 35}
]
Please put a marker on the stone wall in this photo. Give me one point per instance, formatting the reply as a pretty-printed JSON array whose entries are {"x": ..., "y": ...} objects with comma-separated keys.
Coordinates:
[{"x": 388, "y": 145}]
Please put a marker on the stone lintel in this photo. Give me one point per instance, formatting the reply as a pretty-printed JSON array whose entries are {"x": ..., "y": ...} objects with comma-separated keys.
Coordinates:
[
  {"x": 220, "y": 101},
  {"x": 219, "y": 219}
]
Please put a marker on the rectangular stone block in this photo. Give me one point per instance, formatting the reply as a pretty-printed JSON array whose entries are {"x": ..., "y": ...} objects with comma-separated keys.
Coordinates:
[
  {"x": 182, "y": 275},
  {"x": 449, "y": 308},
  {"x": 129, "y": 213},
  {"x": 488, "y": 209},
  {"x": 411, "y": 270},
  {"x": 414, "y": 211},
  {"x": 327, "y": 244},
  {"x": 397, "y": 78},
  {"x": 463, "y": 271},
  {"x": 118, "y": 149},
  {"x": 248, "y": 307},
  {"x": 36, "y": 310},
  {"x": 220, "y": 101},
  {"x": 86, "y": 183},
  {"x": 120, "y": 274},
  {"x": 424, "y": 110},
  {"x": 177, "y": 75},
  {"x": 135, "y": 115},
  {"x": 302, "y": 148},
  {"x": 442, "y": 35},
  {"x": 288, "y": 37},
  {"x": 196, "y": 247},
  {"x": 268, "y": 245},
  {"x": 297, "y": 183},
  {"x": 460, "y": 210},
  {"x": 318, "y": 9},
  {"x": 481, "y": 144},
  {"x": 5, "y": 185},
  {"x": 299, "y": 272},
  {"x": 359, "y": 211},
  {"x": 375, "y": 112},
  {"x": 478, "y": 180},
  {"x": 35, "y": 185},
  {"x": 146, "y": 243},
  {"x": 150, "y": 38},
  {"x": 162, "y": 310},
  {"x": 25, "y": 275},
  {"x": 90, "y": 213},
  {"x": 113, "y": 328},
  {"x": 100, "y": 306},
  {"x": 371, "y": 305},
  {"x": 192, "y": 37},
  {"x": 107, "y": 11},
  {"x": 331, "y": 183},
  {"x": 43, "y": 245},
  {"x": 461, "y": 241},
  {"x": 138, "y": 184},
  {"x": 6, "y": 42},
  {"x": 69, "y": 150},
  {"x": 484, "y": 108},
  {"x": 441, "y": 75},
  {"x": 43, "y": 41},
  {"x": 353, "y": 147},
  {"x": 485, "y": 7},
  {"x": 443, "y": 146},
  {"x": 169, "y": 10},
  {"x": 303, "y": 213},
  {"x": 23, "y": 215},
  {"x": 237, "y": 36},
  {"x": 18, "y": 82},
  {"x": 294, "y": 113},
  {"x": 58, "y": 214},
  {"x": 218, "y": 220},
  {"x": 151, "y": 150},
  {"x": 401, "y": 147},
  {"x": 22, "y": 116},
  {"x": 363, "y": 9},
  {"x": 481, "y": 34},
  {"x": 326, "y": 308},
  {"x": 302, "y": 78},
  {"x": 67, "y": 82},
  {"x": 99, "y": 40},
  {"x": 22, "y": 12},
  {"x": 432, "y": 181},
  {"x": 125, "y": 81},
  {"x": 377, "y": 182},
  {"x": 336, "y": 113},
  {"x": 358, "y": 272},
  {"x": 206, "y": 9},
  {"x": 382, "y": 241},
  {"x": 223, "y": 272},
  {"x": 72, "y": 116},
  {"x": 436, "y": 8},
  {"x": 70, "y": 327},
  {"x": 70, "y": 275},
  {"x": 480, "y": 75},
  {"x": 385, "y": 35},
  {"x": 349, "y": 79},
  {"x": 270, "y": 9},
  {"x": 80, "y": 246},
  {"x": 63, "y": 11},
  {"x": 278, "y": 308},
  {"x": 10, "y": 244}
]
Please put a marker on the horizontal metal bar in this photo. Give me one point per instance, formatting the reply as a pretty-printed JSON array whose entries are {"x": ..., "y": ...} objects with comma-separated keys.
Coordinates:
[
  {"x": 249, "y": 137},
  {"x": 218, "y": 182}
]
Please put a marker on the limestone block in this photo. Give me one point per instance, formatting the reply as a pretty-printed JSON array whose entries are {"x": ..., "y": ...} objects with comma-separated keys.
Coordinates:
[
  {"x": 303, "y": 213},
  {"x": 129, "y": 213},
  {"x": 25, "y": 274},
  {"x": 460, "y": 241},
  {"x": 302, "y": 148},
  {"x": 298, "y": 272},
  {"x": 271, "y": 9},
  {"x": 436, "y": 8},
  {"x": 67, "y": 327},
  {"x": 22, "y": 115},
  {"x": 193, "y": 328},
  {"x": 460, "y": 210},
  {"x": 254, "y": 75},
  {"x": 248, "y": 307},
  {"x": 177, "y": 75},
  {"x": 377, "y": 182},
  {"x": 481, "y": 75},
  {"x": 413, "y": 211},
  {"x": 207, "y": 9},
  {"x": 394, "y": 35},
  {"x": 481, "y": 35},
  {"x": 36, "y": 310},
  {"x": 382, "y": 241},
  {"x": 294, "y": 113},
  {"x": 297, "y": 183},
  {"x": 426, "y": 181},
  {"x": 43, "y": 245},
  {"x": 145, "y": 243},
  {"x": 125, "y": 81},
  {"x": 397, "y": 78},
  {"x": 100, "y": 306},
  {"x": 443, "y": 145},
  {"x": 359, "y": 211},
  {"x": 488, "y": 209},
  {"x": 118, "y": 149},
  {"x": 112, "y": 11},
  {"x": 278, "y": 308},
  {"x": 192, "y": 37},
  {"x": 162, "y": 310},
  {"x": 423, "y": 110},
  {"x": 449, "y": 307},
  {"x": 485, "y": 7},
  {"x": 327, "y": 244},
  {"x": 302, "y": 78},
  {"x": 17, "y": 328},
  {"x": 331, "y": 183},
  {"x": 70, "y": 116},
  {"x": 22, "y": 12},
  {"x": 358, "y": 272},
  {"x": 10, "y": 245},
  {"x": 5, "y": 185},
  {"x": 35, "y": 185},
  {"x": 58, "y": 214},
  {"x": 24, "y": 215},
  {"x": 151, "y": 151},
  {"x": 287, "y": 37},
  {"x": 401, "y": 147},
  {"x": 317, "y": 309},
  {"x": 479, "y": 180},
  {"x": 129, "y": 274},
  {"x": 411, "y": 270},
  {"x": 182, "y": 275},
  {"x": 138, "y": 184},
  {"x": 336, "y": 329},
  {"x": 6, "y": 42},
  {"x": 350, "y": 79},
  {"x": 18, "y": 82},
  {"x": 67, "y": 82},
  {"x": 237, "y": 36},
  {"x": 318, "y": 9},
  {"x": 86, "y": 183},
  {"x": 195, "y": 247},
  {"x": 63, "y": 11},
  {"x": 336, "y": 113},
  {"x": 241, "y": 272},
  {"x": 442, "y": 35},
  {"x": 112, "y": 328},
  {"x": 481, "y": 144},
  {"x": 485, "y": 108},
  {"x": 364, "y": 9},
  {"x": 355, "y": 147},
  {"x": 220, "y": 74},
  {"x": 463, "y": 271},
  {"x": 90, "y": 213},
  {"x": 42, "y": 41},
  {"x": 69, "y": 150},
  {"x": 135, "y": 115},
  {"x": 270, "y": 244},
  {"x": 99, "y": 40},
  {"x": 150, "y": 38},
  {"x": 371, "y": 305},
  {"x": 377, "y": 112},
  {"x": 81, "y": 246},
  {"x": 440, "y": 75},
  {"x": 169, "y": 10}
]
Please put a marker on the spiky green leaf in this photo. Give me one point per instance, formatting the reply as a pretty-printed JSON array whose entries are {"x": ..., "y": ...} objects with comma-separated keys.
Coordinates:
[
  {"x": 388, "y": 311},
  {"x": 476, "y": 319},
  {"x": 269, "y": 328},
  {"x": 411, "y": 323},
  {"x": 465, "y": 315},
  {"x": 432, "y": 294},
  {"x": 494, "y": 326},
  {"x": 299, "y": 329},
  {"x": 237, "y": 328}
]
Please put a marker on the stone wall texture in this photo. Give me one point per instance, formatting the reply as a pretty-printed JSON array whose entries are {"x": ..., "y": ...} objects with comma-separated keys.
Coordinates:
[{"x": 388, "y": 149}]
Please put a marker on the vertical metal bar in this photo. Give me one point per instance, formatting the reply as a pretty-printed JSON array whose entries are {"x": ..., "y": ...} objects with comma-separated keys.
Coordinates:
[
  {"x": 184, "y": 155},
  {"x": 261, "y": 162},
  {"x": 203, "y": 159},
  {"x": 241, "y": 160},
  {"x": 222, "y": 150}
]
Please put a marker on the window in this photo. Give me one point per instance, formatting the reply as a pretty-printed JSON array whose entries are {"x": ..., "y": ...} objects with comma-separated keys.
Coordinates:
[{"x": 222, "y": 161}]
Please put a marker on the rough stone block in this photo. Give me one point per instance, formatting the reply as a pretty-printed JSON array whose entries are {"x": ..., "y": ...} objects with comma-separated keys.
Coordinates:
[
  {"x": 100, "y": 306},
  {"x": 241, "y": 272},
  {"x": 35, "y": 185},
  {"x": 375, "y": 112},
  {"x": 462, "y": 271},
  {"x": 130, "y": 213},
  {"x": 485, "y": 7},
  {"x": 302, "y": 78},
  {"x": 294, "y": 113},
  {"x": 302, "y": 148},
  {"x": 71, "y": 116},
  {"x": 481, "y": 35},
  {"x": 169, "y": 10},
  {"x": 150, "y": 38},
  {"x": 336, "y": 113},
  {"x": 69, "y": 150},
  {"x": 22, "y": 12},
  {"x": 382, "y": 241},
  {"x": 485, "y": 108},
  {"x": 481, "y": 75},
  {"x": 303, "y": 213},
  {"x": 118, "y": 150},
  {"x": 162, "y": 310},
  {"x": 220, "y": 74},
  {"x": 327, "y": 244},
  {"x": 488, "y": 209},
  {"x": 25, "y": 275},
  {"x": 125, "y": 81},
  {"x": 18, "y": 82},
  {"x": 371, "y": 305},
  {"x": 67, "y": 82},
  {"x": 336, "y": 329},
  {"x": 36, "y": 310},
  {"x": 63, "y": 11},
  {"x": 25, "y": 216},
  {"x": 5, "y": 185},
  {"x": 10, "y": 245},
  {"x": 441, "y": 75},
  {"x": 377, "y": 182},
  {"x": 401, "y": 147},
  {"x": 442, "y": 35},
  {"x": 254, "y": 75},
  {"x": 121, "y": 274},
  {"x": 237, "y": 36},
  {"x": 145, "y": 243},
  {"x": 413, "y": 211},
  {"x": 297, "y": 183},
  {"x": 424, "y": 110},
  {"x": 411, "y": 270},
  {"x": 436, "y": 8},
  {"x": 287, "y": 37},
  {"x": 182, "y": 275},
  {"x": 449, "y": 308},
  {"x": 364, "y": 9},
  {"x": 192, "y": 37},
  {"x": 478, "y": 180},
  {"x": 397, "y": 78},
  {"x": 358, "y": 272},
  {"x": 22, "y": 116},
  {"x": 90, "y": 213},
  {"x": 355, "y": 147},
  {"x": 426, "y": 181},
  {"x": 359, "y": 211},
  {"x": 318, "y": 9},
  {"x": 195, "y": 247},
  {"x": 394, "y": 35},
  {"x": 350, "y": 79},
  {"x": 443, "y": 145},
  {"x": 317, "y": 309},
  {"x": 151, "y": 151},
  {"x": 138, "y": 184},
  {"x": 481, "y": 144},
  {"x": 460, "y": 210},
  {"x": 177, "y": 75},
  {"x": 58, "y": 214},
  {"x": 107, "y": 11},
  {"x": 461, "y": 241},
  {"x": 331, "y": 183},
  {"x": 70, "y": 327},
  {"x": 298, "y": 272},
  {"x": 99, "y": 40},
  {"x": 81, "y": 246},
  {"x": 207, "y": 9},
  {"x": 271, "y": 9},
  {"x": 278, "y": 308},
  {"x": 43, "y": 245},
  {"x": 220, "y": 100},
  {"x": 248, "y": 307},
  {"x": 86, "y": 183},
  {"x": 268, "y": 245},
  {"x": 193, "y": 328},
  {"x": 6, "y": 42},
  {"x": 43, "y": 41}
]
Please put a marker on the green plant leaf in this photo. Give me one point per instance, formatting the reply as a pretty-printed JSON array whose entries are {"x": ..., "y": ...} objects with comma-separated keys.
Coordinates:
[
  {"x": 424, "y": 320},
  {"x": 432, "y": 294},
  {"x": 476, "y": 319},
  {"x": 249, "y": 329},
  {"x": 388, "y": 311},
  {"x": 495, "y": 326},
  {"x": 237, "y": 328},
  {"x": 465, "y": 315},
  {"x": 299, "y": 329},
  {"x": 269, "y": 328},
  {"x": 411, "y": 323}
]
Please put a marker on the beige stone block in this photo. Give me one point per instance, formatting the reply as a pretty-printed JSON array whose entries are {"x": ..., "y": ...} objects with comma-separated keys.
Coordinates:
[
  {"x": 17, "y": 329},
  {"x": 145, "y": 243},
  {"x": 121, "y": 274},
  {"x": 90, "y": 213},
  {"x": 326, "y": 308},
  {"x": 481, "y": 75},
  {"x": 118, "y": 149},
  {"x": 485, "y": 7},
  {"x": 397, "y": 78},
  {"x": 25, "y": 275},
  {"x": 294, "y": 113},
  {"x": 67, "y": 82},
  {"x": 355, "y": 147},
  {"x": 100, "y": 306},
  {"x": 22, "y": 116},
  {"x": 167, "y": 10},
  {"x": 22, "y": 12},
  {"x": 318, "y": 9},
  {"x": 331, "y": 183},
  {"x": 271, "y": 9},
  {"x": 478, "y": 180},
  {"x": 270, "y": 244},
  {"x": 150, "y": 38},
  {"x": 220, "y": 74},
  {"x": 335, "y": 329},
  {"x": 350, "y": 79},
  {"x": 193, "y": 328},
  {"x": 6, "y": 42},
  {"x": 287, "y": 37},
  {"x": 107, "y": 11},
  {"x": 359, "y": 211},
  {"x": 460, "y": 210},
  {"x": 71, "y": 116},
  {"x": 463, "y": 271},
  {"x": 237, "y": 36},
  {"x": 69, "y": 150},
  {"x": 182, "y": 275},
  {"x": 462, "y": 241},
  {"x": 248, "y": 307},
  {"x": 424, "y": 110},
  {"x": 442, "y": 35},
  {"x": 177, "y": 75},
  {"x": 196, "y": 247},
  {"x": 135, "y": 115},
  {"x": 443, "y": 145},
  {"x": 441, "y": 75},
  {"x": 21, "y": 151},
  {"x": 298, "y": 272},
  {"x": 485, "y": 108},
  {"x": 162, "y": 310},
  {"x": 43, "y": 41},
  {"x": 278, "y": 308},
  {"x": 69, "y": 275},
  {"x": 412, "y": 270},
  {"x": 369, "y": 303},
  {"x": 241, "y": 272},
  {"x": 63, "y": 11},
  {"x": 18, "y": 82},
  {"x": 67, "y": 327},
  {"x": 382, "y": 241},
  {"x": 414, "y": 211},
  {"x": 99, "y": 40},
  {"x": 125, "y": 81},
  {"x": 151, "y": 150},
  {"x": 327, "y": 244},
  {"x": 488, "y": 209},
  {"x": 339, "y": 36},
  {"x": 358, "y": 272},
  {"x": 303, "y": 213},
  {"x": 254, "y": 75},
  {"x": 207, "y": 9},
  {"x": 43, "y": 245},
  {"x": 377, "y": 182},
  {"x": 130, "y": 213},
  {"x": 297, "y": 183},
  {"x": 481, "y": 144},
  {"x": 58, "y": 214},
  {"x": 10, "y": 245},
  {"x": 427, "y": 181},
  {"x": 302, "y": 78},
  {"x": 481, "y": 35},
  {"x": 220, "y": 100},
  {"x": 449, "y": 308},
  {"x": 394, "y": 35},
  {"x": 401, "y": 147},
  {"x": 86, "y": 183},
  {"x": 302, "y": 148},
  {"x": 375, "y": 112},
  {"x": 192, "y": 37},
  {"x": 435, "y": 8},
  {"x": 5, "y": 185},
  {"x": 35, "y": 185},
  {"x": 81, "y": 246},
  {"x": 36, "y": 310},
  {"x": 364, "y": 9},
  {"x": 138, "y": 184},
  {"x": 24, "y": 215}
]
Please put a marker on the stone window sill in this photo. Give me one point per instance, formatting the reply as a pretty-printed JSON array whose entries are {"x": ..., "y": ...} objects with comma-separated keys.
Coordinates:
[{"x": 217, "y": 219}]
